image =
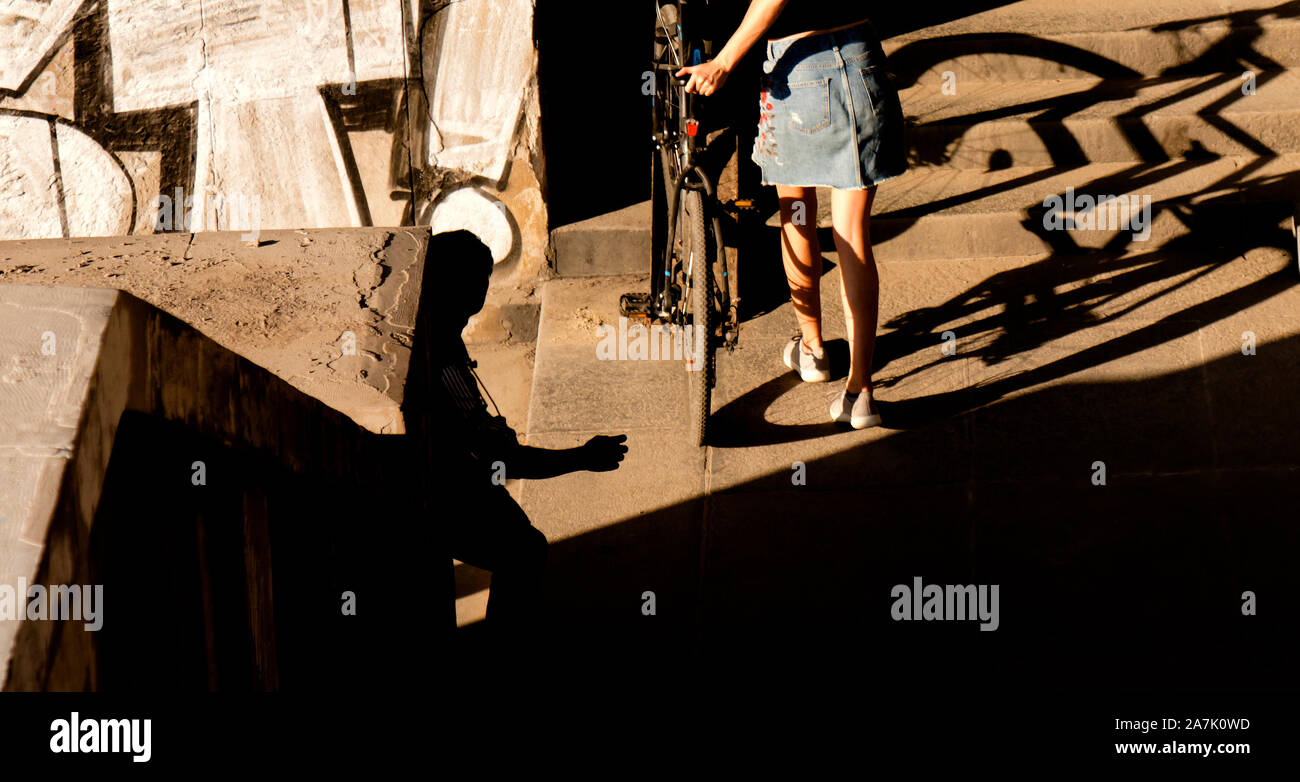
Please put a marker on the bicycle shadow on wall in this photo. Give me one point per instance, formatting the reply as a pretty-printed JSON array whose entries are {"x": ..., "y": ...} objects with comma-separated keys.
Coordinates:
[
  {"x": 936, "y": 143},
  {"x": 1075, "y": 288},
  {"x": 1226, "y": 58}
]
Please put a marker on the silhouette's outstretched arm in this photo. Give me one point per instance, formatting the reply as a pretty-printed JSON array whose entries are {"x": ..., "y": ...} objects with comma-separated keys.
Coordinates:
[{"x": 601, "y": 453}]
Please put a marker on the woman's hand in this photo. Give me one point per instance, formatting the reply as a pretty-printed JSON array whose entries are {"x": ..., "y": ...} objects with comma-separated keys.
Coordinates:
[{"x": 706, "y": 78}]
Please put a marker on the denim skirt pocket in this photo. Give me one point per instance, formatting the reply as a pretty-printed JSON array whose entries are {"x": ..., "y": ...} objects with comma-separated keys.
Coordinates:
[{"x": 808, "y": 107}]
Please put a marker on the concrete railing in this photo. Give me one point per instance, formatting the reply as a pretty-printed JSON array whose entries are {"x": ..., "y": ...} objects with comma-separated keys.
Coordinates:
[{"x": 140, "y": 455}]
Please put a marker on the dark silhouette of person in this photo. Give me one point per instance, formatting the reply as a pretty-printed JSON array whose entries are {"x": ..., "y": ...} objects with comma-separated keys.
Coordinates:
[{"x": 465, "y": 452}]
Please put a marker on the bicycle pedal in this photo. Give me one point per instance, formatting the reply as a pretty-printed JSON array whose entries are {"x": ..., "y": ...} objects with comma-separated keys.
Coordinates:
[{"x": 635, "y": 306}]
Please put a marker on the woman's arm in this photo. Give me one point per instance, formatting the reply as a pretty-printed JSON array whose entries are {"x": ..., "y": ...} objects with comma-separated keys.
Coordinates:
[{"x": 709, "y": 77}]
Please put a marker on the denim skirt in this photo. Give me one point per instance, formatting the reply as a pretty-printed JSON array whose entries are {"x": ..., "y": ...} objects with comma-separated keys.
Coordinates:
[{"x": 829, "y": 112}]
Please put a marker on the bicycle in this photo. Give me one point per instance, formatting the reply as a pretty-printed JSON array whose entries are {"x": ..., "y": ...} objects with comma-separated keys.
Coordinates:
[{"x": 690, "y": 285}]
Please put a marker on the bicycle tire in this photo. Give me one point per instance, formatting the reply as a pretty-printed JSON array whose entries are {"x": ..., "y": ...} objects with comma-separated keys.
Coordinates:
[{"x": 698, "y": 251}]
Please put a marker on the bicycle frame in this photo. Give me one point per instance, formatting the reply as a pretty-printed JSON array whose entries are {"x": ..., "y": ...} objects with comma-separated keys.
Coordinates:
[
  {"x": 703, "y": 183},
  {"x": 680, "y": 141}
]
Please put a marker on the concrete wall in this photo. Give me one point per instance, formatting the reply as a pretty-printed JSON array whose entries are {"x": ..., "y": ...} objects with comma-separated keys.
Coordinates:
[
  {"x": 135, "y": 116},
  {"x": 231, "y": 579}
]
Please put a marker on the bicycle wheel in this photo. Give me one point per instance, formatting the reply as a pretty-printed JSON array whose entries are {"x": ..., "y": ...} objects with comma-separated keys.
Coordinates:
[{"x": 697, "y": 259}]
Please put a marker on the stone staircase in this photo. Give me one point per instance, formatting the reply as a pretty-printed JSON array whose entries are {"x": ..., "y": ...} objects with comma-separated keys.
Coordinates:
[
  {"x": 1042, "y": 100},
  {"x": 1194, "y": 104}
]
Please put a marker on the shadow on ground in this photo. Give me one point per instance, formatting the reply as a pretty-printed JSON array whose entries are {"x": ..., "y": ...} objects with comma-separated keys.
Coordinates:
[{"x": 1137, "y": 582}]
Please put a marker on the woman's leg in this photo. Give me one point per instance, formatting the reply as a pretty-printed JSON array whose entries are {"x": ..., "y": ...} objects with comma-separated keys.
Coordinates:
[
  {"x": 803, "y": 259},
  {"x": 860, "y": 289}
]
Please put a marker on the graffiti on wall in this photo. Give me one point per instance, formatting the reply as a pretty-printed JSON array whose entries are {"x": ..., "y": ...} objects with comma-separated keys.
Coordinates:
[{"x": 133, "y": 116}]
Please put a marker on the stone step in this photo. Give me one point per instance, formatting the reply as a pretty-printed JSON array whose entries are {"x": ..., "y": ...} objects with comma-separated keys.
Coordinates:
[
  {"x": 613, "y": 243},
  {"x": 946, "y": 213},
  {"x": 575, "y": 316},
  {"x": 1073, "y": 121},
  {"x": 943, "y": 212},
  {"x": 1037, "y": 17},
  {"x": 1040, "y": 39}
]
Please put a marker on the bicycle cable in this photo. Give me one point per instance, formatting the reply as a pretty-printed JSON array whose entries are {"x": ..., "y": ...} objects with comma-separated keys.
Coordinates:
[{"x": 659, "y": 13}]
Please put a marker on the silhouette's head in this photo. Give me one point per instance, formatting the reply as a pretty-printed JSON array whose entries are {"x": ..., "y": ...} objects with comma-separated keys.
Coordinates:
[{"x": 460, "y": 265}]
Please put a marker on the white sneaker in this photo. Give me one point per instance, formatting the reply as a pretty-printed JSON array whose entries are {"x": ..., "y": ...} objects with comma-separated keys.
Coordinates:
[
  {"x": 811, "y": 368},
  {"x": 859, "y": 414}
]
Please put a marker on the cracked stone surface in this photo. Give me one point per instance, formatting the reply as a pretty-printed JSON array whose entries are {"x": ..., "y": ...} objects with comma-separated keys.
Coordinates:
[{"x": 288, "y": 305}]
